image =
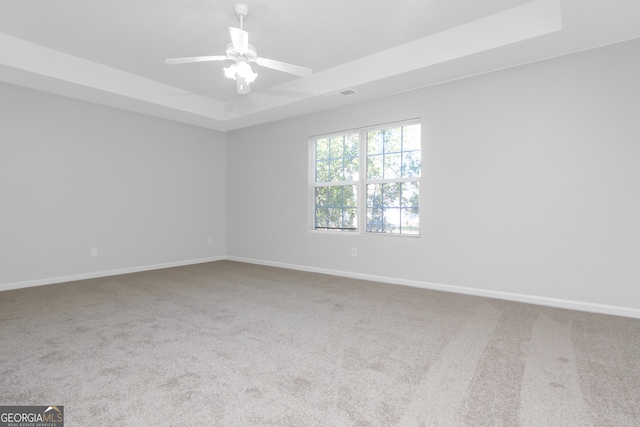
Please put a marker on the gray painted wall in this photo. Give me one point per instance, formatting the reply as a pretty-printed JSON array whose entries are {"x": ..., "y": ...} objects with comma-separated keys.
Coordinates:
[
  {"x": 76, "y": 175},
  {"x": 530, "y": 185},
  {"x": 531, "y": 179}
]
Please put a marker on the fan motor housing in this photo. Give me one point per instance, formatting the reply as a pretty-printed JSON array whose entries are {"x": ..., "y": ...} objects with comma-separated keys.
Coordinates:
[{"x": 250, "y": 55}]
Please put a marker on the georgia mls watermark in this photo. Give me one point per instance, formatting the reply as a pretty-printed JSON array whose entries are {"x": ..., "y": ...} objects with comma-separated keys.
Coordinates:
[{"x": 31, "y": 416}]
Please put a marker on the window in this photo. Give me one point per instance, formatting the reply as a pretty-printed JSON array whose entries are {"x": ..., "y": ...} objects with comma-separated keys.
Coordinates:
[{"x": 368, "y": 180}]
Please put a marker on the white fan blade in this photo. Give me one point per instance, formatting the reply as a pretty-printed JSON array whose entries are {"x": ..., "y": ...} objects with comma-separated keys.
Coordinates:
[
  {"x": 195, "y": 59},
  {"x": 283, "y": 66},
  {"x": 239, "y": 39},
  {"x": 242, "y": 85}
]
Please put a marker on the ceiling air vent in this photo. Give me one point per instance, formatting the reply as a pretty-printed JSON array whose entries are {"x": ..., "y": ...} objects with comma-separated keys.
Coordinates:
[{"x": 341, "y": 93}]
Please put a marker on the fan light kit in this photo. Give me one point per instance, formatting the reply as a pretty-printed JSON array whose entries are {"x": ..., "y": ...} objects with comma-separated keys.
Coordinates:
[{"x": 242, "y": 53}]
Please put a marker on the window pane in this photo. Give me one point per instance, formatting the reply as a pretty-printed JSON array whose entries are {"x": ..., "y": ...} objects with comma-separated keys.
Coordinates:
[
  {"x": 375, "y": 142},
  {"x": 336, "y": 207},
  {"x": 392, "y": 220},
  {"x": 337, "y": 158},
  {"x": 411, "y": 138},
  {"x": 374, "y": 220},
  {"x": 336, "y": 170},
  {"x": 384, "y": 220},
  {"x": 410, "y": 194},
  {"x": 351, "y": 169},
  {"x": 392, "y": 165},
  {"x": 374, "y": 195},
  {"x": 322, "y": 218},
  {"x": 394, "y": 153},
  {"x": 410, "y": 221},
  {"x": 336, "y": 147},
  {"x": 377, "y": 198},
  {"x": 392, "y": 194},
  {"x": 374, "y": 167},
  {"x": 335, "y": 218},
  {"x": 322, "y": 198},
  {"x": 350, "y": 218},
  {"x": 351, "y": 145},
  {"x": 393, "y": 208},
  {"x": 322, "y": 149},
  {"x": 336, "y": 196},
  {"x": 393, "y": 140},
  {"x": 411, "y": 164},
  {"x": 322, "y": 171},
  {"x": 384, "y": 195}
]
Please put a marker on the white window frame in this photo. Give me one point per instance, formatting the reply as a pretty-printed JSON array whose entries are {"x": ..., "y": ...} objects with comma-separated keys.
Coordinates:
[{"x": 361, "y": 182}]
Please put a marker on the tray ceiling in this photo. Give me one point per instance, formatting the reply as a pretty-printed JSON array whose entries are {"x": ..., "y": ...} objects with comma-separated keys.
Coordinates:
[{"x": 112, "y": 52}]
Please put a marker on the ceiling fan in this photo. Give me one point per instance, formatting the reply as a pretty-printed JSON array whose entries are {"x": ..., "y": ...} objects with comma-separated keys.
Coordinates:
[{"x": 242, "y": 53}]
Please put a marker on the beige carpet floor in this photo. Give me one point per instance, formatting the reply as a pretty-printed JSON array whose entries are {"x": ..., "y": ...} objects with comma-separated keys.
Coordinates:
[{"x": 232, "y": 344}]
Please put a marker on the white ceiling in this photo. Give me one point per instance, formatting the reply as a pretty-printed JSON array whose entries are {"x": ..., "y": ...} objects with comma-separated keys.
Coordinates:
[{"x": 112, "y": 51}]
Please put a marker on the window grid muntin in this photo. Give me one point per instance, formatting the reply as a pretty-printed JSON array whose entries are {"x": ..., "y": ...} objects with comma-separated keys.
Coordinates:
[
  {"x": 337, "y": 158},
  {"x": 407, "y": 219},
  {"x": 402, "y": 153},
  {"x": 346, "y": 222}
]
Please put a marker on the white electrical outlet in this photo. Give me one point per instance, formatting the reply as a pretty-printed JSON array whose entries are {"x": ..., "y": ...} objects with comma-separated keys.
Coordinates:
[
  {"x": 354, "y": 252},
  {"x": 93, "y": 252}
]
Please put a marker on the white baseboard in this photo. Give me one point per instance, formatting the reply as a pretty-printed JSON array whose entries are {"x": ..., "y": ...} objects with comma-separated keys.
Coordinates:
[
  {"x": 529, "y": 299},
  {"x": 93, "y": 275}
]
